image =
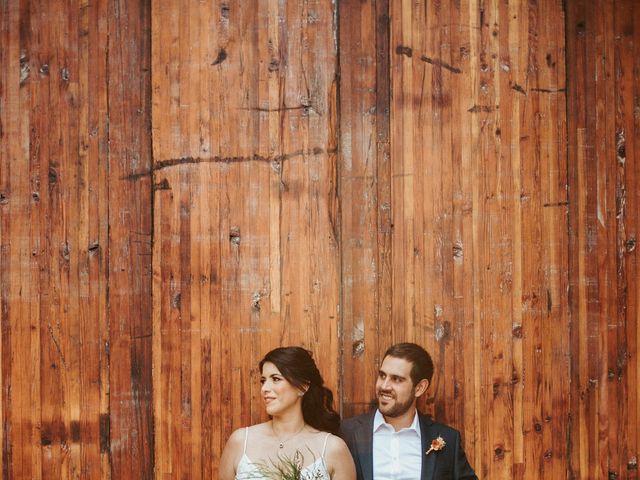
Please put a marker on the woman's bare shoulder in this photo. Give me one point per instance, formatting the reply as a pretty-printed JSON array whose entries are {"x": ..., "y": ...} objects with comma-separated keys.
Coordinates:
[
  {"x": 237, "y": 437},
  {"x": 339, "y": 459},
  {"x": 259, "y": 429},
  {"x": 336, "y": 445}
]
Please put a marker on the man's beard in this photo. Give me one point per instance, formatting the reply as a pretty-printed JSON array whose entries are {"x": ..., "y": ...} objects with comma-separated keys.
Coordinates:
[{"x": 396, "y": 409}]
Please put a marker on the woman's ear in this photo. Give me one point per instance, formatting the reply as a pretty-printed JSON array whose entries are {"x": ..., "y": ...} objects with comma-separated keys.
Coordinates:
[
  {"x": 421, "y": 387},
  {"x": 303, "y": 390}
]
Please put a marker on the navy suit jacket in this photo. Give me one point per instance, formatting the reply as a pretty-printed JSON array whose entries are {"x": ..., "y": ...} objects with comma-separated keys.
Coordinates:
[{"x": 447, "y": 463}]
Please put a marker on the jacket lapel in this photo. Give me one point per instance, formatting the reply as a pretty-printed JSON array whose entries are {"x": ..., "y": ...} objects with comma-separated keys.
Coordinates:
[
  {"x": 365, "y": 447},
  {"x": 428, "y": 461}
]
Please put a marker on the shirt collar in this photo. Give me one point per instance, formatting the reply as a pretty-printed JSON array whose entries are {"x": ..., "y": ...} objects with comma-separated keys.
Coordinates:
[{"x": 378, "y": 421}]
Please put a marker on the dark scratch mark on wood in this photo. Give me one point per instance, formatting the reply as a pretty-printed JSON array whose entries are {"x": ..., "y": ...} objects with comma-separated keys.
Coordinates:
[
  {"x": 305, "y": 108},
  {"x": 440, "y": 63},
  {"x": 403, "y": 50},
  {"x": 408, "y": 52},
  {"x": 549, "y": 90},
  {"x": 105, "y": 433},
  {"x": 481, "y": 108},
  {"x": 277, "y": 159},
  {"x": 222, "y": 56},
  {"x": 56, "y": 344},
  {"x": 163, "y": 185},
  {"x": 518, "y": 88}
]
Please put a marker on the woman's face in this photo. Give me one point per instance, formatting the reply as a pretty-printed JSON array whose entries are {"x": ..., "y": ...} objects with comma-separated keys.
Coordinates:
[{"x": 278, "y": 394}]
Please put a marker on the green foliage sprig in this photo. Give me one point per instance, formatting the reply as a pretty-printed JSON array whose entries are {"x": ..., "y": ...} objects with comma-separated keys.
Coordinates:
[{"x": 284, "y": 468}]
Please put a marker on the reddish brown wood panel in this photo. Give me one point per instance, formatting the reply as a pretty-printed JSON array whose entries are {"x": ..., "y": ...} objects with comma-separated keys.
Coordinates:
[
  {"x": 474, "y": 263},
  {"x": 451, "y": 179},
  {"x": 75, "y": 241},
  {"x": 246, "y": 234},
  {"x": 129, "y": 426},
  {"x": 365, "y": 197},
  {"x": 602, "y": 53}
]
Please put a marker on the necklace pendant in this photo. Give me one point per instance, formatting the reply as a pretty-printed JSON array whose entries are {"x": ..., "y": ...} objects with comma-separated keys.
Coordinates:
[{"x": 281, "y": 445}]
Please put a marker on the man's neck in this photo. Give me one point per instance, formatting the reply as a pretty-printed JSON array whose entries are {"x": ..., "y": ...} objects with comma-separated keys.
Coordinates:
[{"x": 403, "y": 421}]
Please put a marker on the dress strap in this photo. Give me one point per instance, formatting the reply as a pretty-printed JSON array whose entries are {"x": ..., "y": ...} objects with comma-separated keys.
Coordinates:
[
  {"x": 246, "y": 436},
  {"x": 324, "y": 447}
]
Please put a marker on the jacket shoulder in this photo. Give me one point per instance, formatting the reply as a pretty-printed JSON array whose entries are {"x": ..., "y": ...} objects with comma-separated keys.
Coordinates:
[
  {"x": 354, "y": 423},
  {"x": 357, "y": 420}
]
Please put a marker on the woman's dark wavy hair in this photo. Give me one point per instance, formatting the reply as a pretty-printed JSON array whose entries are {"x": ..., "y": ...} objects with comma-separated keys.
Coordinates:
[{"x": 297, "y": 366}]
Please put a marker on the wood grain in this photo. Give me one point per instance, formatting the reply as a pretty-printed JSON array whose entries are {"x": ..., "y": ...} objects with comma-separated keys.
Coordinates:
[
  {"x": 186, "y": 185},
  {"x": 602, "y": 132},
  {"x": 474, "y": 190},
  {"x": 246, "y": 228},
  {"x": 67, "y": 220},
  {"x": 365, "y": 191},
  {"x": 129, "y": 427}
]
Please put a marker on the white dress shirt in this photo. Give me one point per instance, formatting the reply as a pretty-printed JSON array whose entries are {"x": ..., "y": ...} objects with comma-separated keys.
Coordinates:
[{"x": 396, "y": 455}]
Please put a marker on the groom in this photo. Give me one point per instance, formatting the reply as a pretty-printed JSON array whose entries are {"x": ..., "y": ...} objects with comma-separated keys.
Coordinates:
[{"x": 396, "y": 441}]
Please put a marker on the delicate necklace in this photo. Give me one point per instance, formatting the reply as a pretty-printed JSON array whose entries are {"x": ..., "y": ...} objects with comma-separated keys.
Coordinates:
[{"x": 281, "y": 442}]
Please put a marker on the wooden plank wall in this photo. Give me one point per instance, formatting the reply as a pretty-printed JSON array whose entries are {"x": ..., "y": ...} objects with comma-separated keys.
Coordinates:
[
  {"x": 75, "y": 271},
  {"x": 245, "y": 212},
  {"x": 603, "y": 47},
  {"x": 462, "y": 235},
  {"x": 185, "y": 185}
]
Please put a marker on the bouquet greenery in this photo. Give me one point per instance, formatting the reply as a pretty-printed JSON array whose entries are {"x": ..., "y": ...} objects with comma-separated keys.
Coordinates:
[{"x": 285, "y": 468}]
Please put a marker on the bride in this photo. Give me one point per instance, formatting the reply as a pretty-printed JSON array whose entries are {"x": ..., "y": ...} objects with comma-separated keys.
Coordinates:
[{"x": 303, "y": 430}]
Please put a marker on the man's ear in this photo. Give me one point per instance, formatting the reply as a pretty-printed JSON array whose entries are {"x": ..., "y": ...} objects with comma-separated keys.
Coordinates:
[{"x": 421, "y": 387}]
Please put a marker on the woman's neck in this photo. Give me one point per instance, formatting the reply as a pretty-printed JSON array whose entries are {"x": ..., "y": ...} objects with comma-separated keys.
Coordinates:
[{"x": 288, "y": 423}]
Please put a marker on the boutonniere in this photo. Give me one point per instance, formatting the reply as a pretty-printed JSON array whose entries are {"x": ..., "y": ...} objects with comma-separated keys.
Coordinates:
[{"x": 436, "y": 444}]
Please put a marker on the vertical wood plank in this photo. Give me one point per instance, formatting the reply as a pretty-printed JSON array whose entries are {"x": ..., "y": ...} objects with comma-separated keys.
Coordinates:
[
  {"x": 5, "y": 350},
  {"x": 626, "y": 38},
  {"x": 364, "y": 196},
  {"x": 601, "y": 55},
  {"x": 7, "y": 38},
  {"x": 127, "y": 432}
]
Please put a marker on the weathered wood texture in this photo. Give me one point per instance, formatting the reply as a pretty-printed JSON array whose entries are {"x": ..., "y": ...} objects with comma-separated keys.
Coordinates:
[
  {"x": 341, "y": 175},
  {"x": 75, "y": 271},
  {"x": 603, "y": 53},
  {"x": 365, "y": 197},
  {"x": 245, "y": 237},
  {"x": 462, "y": 234}
]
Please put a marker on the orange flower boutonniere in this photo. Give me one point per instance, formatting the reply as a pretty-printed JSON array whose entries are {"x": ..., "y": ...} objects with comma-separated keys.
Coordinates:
[{"x": 436, "y": 444}]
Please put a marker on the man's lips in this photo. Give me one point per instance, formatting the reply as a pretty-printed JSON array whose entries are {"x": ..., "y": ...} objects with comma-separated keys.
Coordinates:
[{"x": 386, "y": 396}]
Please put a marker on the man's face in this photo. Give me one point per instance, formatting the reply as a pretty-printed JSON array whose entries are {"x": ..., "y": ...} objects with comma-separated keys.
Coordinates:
[{"x": 394, "y": 387}]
